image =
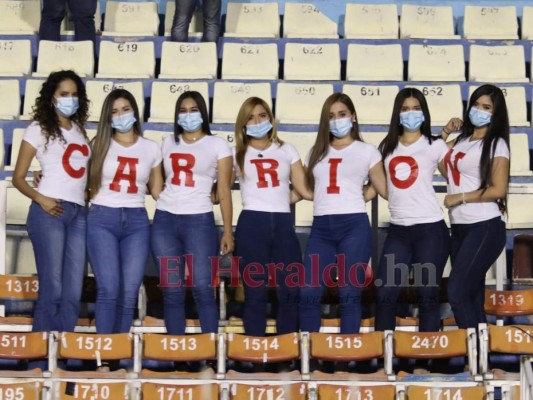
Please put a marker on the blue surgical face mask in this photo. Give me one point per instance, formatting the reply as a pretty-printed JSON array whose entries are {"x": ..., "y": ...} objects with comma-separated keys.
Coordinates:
[
  {"x": 67, "y": 106},
  {"x": 412, "y": 120},
  {"x": 259, "y": 130},
  {"x": 340, "y": 127},
  {"x": 479, "y": 117},
  {"x": 123, "y": 123},
  {"x": 190, "y": 122}
]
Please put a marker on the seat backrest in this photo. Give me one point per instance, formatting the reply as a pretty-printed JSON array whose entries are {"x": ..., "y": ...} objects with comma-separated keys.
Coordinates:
[
  {"x": 509, "y": 302},
  {"x": 301, "y": 103},
  {"x": 430, "y": 344},
  {"x": 207, "y": 391},
  {"x": 126, "y": 60},
  {"x": 349, "y": 392},
  {"x": 367, "y": 62},
  {"x": 165, "y": 95},
  {"x": 305, "y": 20},
  {"x": 229, "y": 96},
  {"x": 337, "y": 347},
  {"x": 15, "y": 58},
  {"x": 88, "y": 346},
  {"x": 527, "y": 23},
  {"x": 22, "y": 346},
  {"x": 371, "y": 21},
  {"x": 414, "y": 392},
  {"x": 189, "y": 60},
  {"x": 9, "y": 103},
  {"x": 426, "y": 22},
  {"x": 19, "y": 17},
  {"x": 180, "y": 348},
  {"x": 252, "y": 20},
  {"x": 373, "y": 104},
  {"x": 14, "y": 287},
  {"x": 18, "y": 134},
  {"x": 303, "y": 141},
  {"x": 497, "y": 63},
  {"x": 293, "y": 391},
  {"x": 54, "y": 56},
  {"x": 138, "y": 18},
  {"x": 250, "y": 61},
  {"x": 498, "y": 23},
  {"x": 436, "y": 63},
  {"x": 94, "y": 389},
  {"x": 312, "y": 62},
  {"x": 513, "y": 339},
  {"x": 31, "y": 92},
  {"x": 263, "y": 349},
  {"x": 444, "y": 102},
  {"x": 22, "y": 390}
]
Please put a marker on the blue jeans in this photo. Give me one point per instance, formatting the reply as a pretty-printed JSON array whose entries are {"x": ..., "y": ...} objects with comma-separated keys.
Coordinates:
[
  {"x": 54, "y": 11},
  {"x": 183, "y": 15},
  {"x": 332, "y": 239},
  {"x": 118, "y": 246},
  {"x": 59, "y": 247},
  {"x": 423, "y": 248},
  {"x": 267, "y": 238},
  {"x": 176, "y": 238},
  {"x": 475, "y": 247}
]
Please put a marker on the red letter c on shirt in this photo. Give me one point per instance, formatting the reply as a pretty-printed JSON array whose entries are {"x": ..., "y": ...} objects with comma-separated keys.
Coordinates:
[{"x": 71, "y": 148}]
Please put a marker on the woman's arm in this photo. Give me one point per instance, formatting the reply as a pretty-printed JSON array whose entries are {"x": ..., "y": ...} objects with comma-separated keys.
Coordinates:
[
  {"x": 378, "y": 179},
  {"x": 25, "y": 156},
  {"x": 496, "y": 191},
  {"x": 299, "y": 182},
  {"x": 453, "y": 125},
  {"x": 225, "y": 171},
  {"x": 155, "y": 182}
]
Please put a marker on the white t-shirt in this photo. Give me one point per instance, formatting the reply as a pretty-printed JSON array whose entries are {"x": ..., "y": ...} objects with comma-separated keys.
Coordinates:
[
  {"x": 126, "y": 172},
  {"x": 340, "y": 176},
  {"x": 462, "y": 164},
  {"x": 266, "y": 184},
  {"x": 410, "y": 182},
  {"x": 64, "y": 164},
  {"x": 190, "y": 171}
]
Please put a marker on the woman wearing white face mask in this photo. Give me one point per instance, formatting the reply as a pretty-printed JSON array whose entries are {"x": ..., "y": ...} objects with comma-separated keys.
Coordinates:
[
  {"x": 477, "y": 168},
  {"x": 266, "y": 168},
  {"x": 124, "y": 165},
  {"x": 337, "y": 167},
  {"x": 417, "y": 236},
  {"x": 57, "y": 216},
  {"x": 184, "y": 230}
]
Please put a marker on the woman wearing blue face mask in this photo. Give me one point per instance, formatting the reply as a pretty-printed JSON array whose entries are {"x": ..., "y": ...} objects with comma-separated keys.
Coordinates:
[
  {"x": 337, "y": 167},
  {"x": 266, "y": 168},
  {"x": 124, "y": 165},
  {"x": 184, "y": 231},
  {"x": 477, "y": 168},
  {"x": 57, "y": 216},
  {"x": 418, "y": 240}
]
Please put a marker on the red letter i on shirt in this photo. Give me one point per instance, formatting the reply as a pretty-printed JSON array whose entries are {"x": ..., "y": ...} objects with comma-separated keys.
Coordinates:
[{"x": 333, "y": 166}]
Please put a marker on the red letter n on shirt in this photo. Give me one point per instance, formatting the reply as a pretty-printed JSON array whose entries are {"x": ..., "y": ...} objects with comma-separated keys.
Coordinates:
[
  {"x": 265, "y": 167},
  {"x": 126, "y": 170},
  {"x": 456, "y": 176},
  {"x": 182, "y": 164}
]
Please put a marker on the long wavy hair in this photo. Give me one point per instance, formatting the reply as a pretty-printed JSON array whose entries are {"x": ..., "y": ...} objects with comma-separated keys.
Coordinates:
[
  {"x": 324, "y": 137},
  {"x": 202, "y": 107},
  {"x": 104, "y": 134},
  {"x": 498, "y": 129},
  {"x": 241, "y": 138},
  {"x": 390, "y": 142},
  {"x": 44, "y": 110}
]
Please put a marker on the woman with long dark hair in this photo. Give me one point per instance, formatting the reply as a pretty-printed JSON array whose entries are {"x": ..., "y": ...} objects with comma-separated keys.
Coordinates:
[
  {"x": 57, "y": 216},
  {"x": 123, "y": 166},
  {"x": 337, "y": 167},
  {"x": 477, "y": 167},
  {"x": 184, "y": 231}
]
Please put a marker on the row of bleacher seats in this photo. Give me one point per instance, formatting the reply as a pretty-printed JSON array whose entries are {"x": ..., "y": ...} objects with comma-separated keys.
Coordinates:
[
  {"x": 261, "y": 61},
  {"x": 295, "y": 103},
  {"x": 300, "y": 20}
]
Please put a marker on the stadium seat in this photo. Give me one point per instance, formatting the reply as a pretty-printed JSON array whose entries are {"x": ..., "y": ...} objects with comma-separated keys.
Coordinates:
[
  {"x": 374, "y": 62},
  {"x": 520, "y": 212},
  {"x": 279, "y": 390},
  {"x": 449, "y": 391},
  {"x": 189, "y": 61},
  {"x": 252, "y": 20},
  {"x": 522, "y": 271},
  {"x": 128, "y": 60},
  {"x": 229, "y": 96},
  {"x": 228, "y": 136},
  {"x": 312, "y": 62},
  {"x": 301, "y": 103},
  {"x": 18, "y": 133},
  {"x": 131, "y": 19},
  {"x": 19, "y": 289},
  {"x": 55, "y": 56},
  {"x": 250, "y": 61},
  {"x": 33, "y": 87},
  {"x": 507, "y": 303},
  {"x": 156, "y": 136},
  {"x": 98, "y": 90},
  {"x": 373, "y": 104},
  {"x": 196, "y": 390},
  {"x": 527, "y": 23},
  {"x": 2, "y": 150},
  {"x": 495, "y": 23},
  {"x": 427, "y": 22},
  {"x": 497, "y": 64},
  {"x": 515, "y": 98},
  {"x": 23, "y": 346},
  {"x": 165, "y": 95},
  {"x": 19, "y": 17},
  {"x": 305, "y": 20},
  {"x": 15, "y": 58},
  {"x": 303, "y": 213},
  {"x": 361, "y": 391},
  {"x": 28, "y": 390},
  {"x": 9, "y": 104},
  {"x": 67, "y": 26},
  {"x": 444, "y": 102},
  {"x": 303, "y": 141},
  {"x": 436, "y": 63},
  {"x": 195, "y": 27},
  {"x": 371, "y": 21}
]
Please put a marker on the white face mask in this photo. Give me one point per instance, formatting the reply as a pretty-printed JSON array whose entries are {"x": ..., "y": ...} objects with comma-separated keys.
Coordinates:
[
  {"x": 340, "y": 127},
  {"x": 67, "y": 106},
  {"x": 190, "y": 122},
  {"x": 123, "y": 123}
]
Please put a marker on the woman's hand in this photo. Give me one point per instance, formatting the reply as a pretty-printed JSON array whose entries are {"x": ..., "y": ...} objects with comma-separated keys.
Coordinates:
[
  {"x": 50, "y": 205},
  {"x": 227, "y": 243},
  {"x": 452, "y": 200}
]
